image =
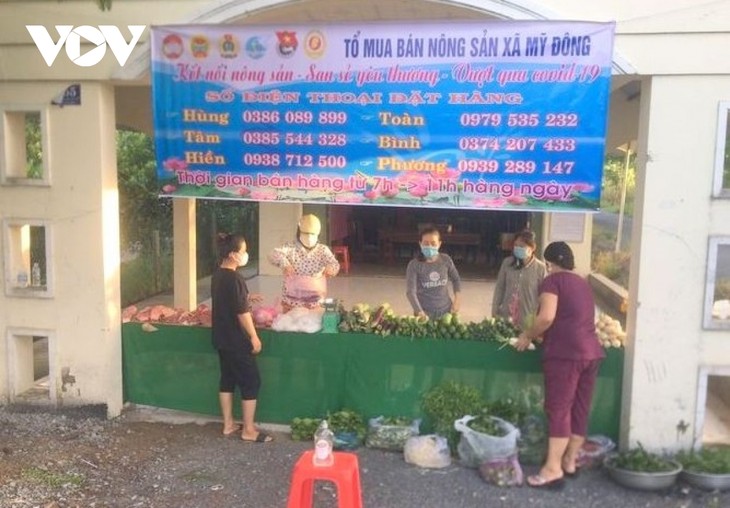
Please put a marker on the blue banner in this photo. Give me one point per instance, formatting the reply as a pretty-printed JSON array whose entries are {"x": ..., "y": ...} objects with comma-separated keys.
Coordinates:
[{"x": 466, "y": 115}]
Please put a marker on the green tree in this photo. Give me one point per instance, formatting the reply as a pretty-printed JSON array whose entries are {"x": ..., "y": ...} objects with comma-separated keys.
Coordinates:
[
  {"x": 141, "y": 211},
  {"x": 613, "y": 173},
  {"x": 33, "y": 146}
]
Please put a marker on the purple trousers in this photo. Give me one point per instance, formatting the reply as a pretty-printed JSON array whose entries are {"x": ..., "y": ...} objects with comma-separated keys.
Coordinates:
[{"x": 568, "y": 392}]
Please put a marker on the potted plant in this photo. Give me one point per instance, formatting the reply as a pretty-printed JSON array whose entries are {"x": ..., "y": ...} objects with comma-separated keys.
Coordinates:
[
  {"x": 707, "y": 469},
  {"x": 639, "y": 469}
]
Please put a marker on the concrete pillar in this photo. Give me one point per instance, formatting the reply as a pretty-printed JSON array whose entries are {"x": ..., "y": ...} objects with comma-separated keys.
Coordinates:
[
  {"x": 185, "y": 269},
  {"x": 671, "y": 224},
  {"x": 277, "y": 225}
]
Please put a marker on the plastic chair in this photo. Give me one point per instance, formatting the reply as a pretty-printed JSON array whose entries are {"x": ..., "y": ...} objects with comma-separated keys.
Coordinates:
[
  {"x": 342, "y": 253},
  {"x": 344, "y": 473}
]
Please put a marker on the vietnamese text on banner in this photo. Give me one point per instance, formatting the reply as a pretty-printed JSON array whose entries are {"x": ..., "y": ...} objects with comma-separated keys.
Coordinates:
[{"x": 464, "y": 115}]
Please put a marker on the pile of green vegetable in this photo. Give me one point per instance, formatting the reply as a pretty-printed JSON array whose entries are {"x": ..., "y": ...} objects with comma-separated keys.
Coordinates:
[
  {"x": 708, "y": 460},
  {"x": 303, "y": 429},
  {"x": 390, "y": 433},
  {"x": 383, "y": 321},
  {"x": 638, "y": 459}
]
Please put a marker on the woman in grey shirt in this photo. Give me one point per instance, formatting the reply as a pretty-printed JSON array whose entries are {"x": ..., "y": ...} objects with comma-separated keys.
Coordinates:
[
  {"x": 516, "y": 295},
  {"x": 428, "y": 276}
]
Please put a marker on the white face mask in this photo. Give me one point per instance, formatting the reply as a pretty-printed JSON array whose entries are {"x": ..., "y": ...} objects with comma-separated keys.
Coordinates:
[
  {"x": 308, "y": 239},
  {"x": 242, "y": 259}
]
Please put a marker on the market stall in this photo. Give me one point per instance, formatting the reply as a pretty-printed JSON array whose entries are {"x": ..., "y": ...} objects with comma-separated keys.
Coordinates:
[{"x": 309, "y": 374}]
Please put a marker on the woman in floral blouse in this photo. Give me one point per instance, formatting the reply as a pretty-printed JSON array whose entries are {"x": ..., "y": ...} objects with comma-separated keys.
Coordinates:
[{"x": 305, "y": 264}]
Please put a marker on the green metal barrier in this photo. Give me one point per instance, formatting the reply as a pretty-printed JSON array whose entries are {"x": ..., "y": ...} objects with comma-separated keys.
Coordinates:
[{"x": 310, "y": 374}]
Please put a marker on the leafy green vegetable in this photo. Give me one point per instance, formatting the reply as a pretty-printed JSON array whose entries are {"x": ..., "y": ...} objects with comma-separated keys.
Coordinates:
[
  {"x": 486, "y": 425},
  {"x": 638, "y": 459},
  {"x": 347, "y": 421},
  {"x": 449, "y": 401},
  {"x": 303, "y": 429},
  {"x": 708, "y": 460}
]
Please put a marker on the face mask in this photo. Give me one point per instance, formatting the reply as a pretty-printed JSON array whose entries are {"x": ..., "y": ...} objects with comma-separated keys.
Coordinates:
[
  {"x": 242, "y": 259},
  {"x": 520, "y": 253},
  {"x": 429, "y": 252},
  {"x": 309, "y": 240}
]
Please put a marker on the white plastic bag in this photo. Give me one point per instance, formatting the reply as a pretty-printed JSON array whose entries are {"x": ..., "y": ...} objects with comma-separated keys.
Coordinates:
[
  {"x": 299, "y": 319},
  {"x": 475, "y": 448},
  {"x": 431, "y": 451}
]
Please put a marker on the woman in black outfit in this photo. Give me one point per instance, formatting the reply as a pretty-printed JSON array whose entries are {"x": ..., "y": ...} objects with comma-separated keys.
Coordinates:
[{"x": 235, "y": 338}]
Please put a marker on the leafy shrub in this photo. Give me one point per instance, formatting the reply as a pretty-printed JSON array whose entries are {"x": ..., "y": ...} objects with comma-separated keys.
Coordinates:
[
  {"x": 449, "y": 401},
  {"x": 614, "y": 265}
]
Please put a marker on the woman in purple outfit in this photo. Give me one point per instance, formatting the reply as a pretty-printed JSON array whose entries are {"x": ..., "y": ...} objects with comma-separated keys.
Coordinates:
[{"x": 571, "y": 357}]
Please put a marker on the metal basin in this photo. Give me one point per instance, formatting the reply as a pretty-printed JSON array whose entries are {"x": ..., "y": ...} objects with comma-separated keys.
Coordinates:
[
  {"x": 707, "y": 481},
  {"x": 641, "y": 480}
]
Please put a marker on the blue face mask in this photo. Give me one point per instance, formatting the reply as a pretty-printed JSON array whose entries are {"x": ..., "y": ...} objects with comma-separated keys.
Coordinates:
[
  {"x": 429, "y": 252},
  {"x": 520, "y": 253}
]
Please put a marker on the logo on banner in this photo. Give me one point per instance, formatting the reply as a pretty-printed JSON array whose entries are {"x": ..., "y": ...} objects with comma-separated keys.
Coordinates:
[
  {"x": 229, "y": 46},
  {"x": 314, "y": 44},
  {"x": 287, "y": 43},
  {"x": 199, "y": 46},
  {"x": 172, "y": 46},
  {"x": 71, "y": 38},
  {"x": 255, "y": 48}
]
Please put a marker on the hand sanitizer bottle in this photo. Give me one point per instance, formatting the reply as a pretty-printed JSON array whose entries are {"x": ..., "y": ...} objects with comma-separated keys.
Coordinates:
[{"x": 324, "y": 439}]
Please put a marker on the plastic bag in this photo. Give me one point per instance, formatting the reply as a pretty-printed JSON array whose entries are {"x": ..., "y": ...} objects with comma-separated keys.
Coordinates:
[
  {"x": 299, "y": 319},
  {"x": 505, "y": 472},
  {"x": 475, "y": 448},
  {"x": 346, "y": 441},
  {"x": 264, "y": 315},
  {"x": 308, "y": 289},
  {"x": 431, "y": 451},
  {"x": 533, "y": 442},
  {"x": 390, "y": 437},
  {"x": 594, "y": 449}
]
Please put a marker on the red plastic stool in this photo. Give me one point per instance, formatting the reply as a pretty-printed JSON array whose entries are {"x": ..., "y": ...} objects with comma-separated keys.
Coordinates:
[
  {"x": 342, "y": 252},
  {"x": 344, "y": 473}
]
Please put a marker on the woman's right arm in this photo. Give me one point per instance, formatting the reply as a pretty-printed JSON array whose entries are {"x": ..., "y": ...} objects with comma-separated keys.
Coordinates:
[
  {"x": 279, "y": 257},
  {"x": 412, "y": 287}
]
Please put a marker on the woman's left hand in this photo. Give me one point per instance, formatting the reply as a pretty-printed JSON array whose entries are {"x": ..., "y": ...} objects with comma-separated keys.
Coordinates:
[
  {"x": 522, "y": 343},
  {"x": 455, "y": 307}
]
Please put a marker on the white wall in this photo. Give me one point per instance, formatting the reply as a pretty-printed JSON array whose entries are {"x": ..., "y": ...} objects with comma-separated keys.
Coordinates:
[
  {"x": 669, "y": 254},
  {"x": 82, "y": 208},
  {"x": 277, "y": 225}
]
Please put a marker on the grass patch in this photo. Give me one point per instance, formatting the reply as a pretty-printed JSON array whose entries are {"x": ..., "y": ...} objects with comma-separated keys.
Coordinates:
[
  {"x": 50, "y": 479},
  {"x": 614, "y": 265}
]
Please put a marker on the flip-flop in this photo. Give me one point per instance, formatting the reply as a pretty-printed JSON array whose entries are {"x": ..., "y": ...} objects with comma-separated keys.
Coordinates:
[
  {"x": 262, "y": 437},
  {"x": 538, "y": 482},
  {"x": 234, "y": 432}
]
